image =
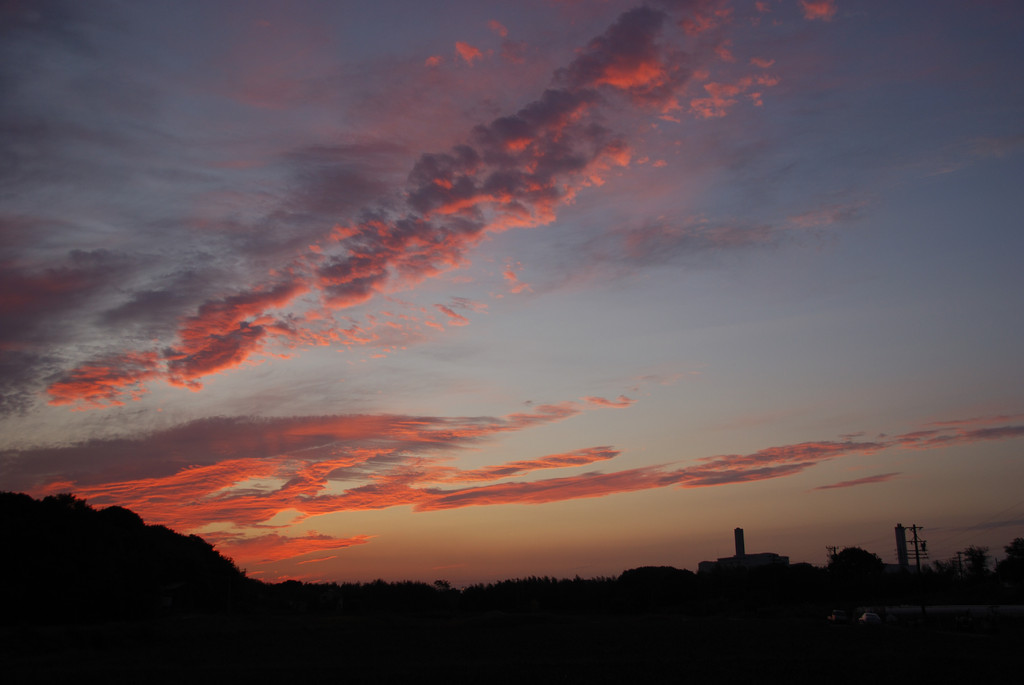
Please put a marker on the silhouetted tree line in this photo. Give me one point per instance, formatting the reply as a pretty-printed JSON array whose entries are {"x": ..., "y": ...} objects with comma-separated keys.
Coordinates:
[
  {"x": 67, "y": 562},
  {"x": 64, "y": 560}
]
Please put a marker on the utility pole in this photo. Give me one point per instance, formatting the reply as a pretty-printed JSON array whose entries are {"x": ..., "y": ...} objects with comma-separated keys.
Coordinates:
[
  {"x": 960, "y": 566},
  {"x": 920, "y": 546},
  {"x": 832, "y": 552},
  {"x": 920, "y": 549}
]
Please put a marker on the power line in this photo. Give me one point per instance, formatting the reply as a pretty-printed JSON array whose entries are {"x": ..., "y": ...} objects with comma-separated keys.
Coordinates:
[{"x": 970, "y": 529}]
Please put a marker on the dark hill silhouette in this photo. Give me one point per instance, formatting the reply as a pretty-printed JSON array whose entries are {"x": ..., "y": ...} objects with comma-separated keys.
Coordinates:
[{"x": 67, "y": 562}]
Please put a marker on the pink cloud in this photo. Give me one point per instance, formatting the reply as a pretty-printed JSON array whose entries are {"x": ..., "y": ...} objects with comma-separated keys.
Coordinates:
[
  {"x": 827, "y": 215},
  {"x": 820, "y": 10},
  {"x": 979, "y": 421},
  {"x": 454, "y": 318},
  {"x": 659, "y": 242},
  {"x": 497, "y": 28},
  {"x": 774, "y": 462},
  {"x": 722, "y": 96},
  {"x": 516, "y": 286},
  {"x": 955, "y": 435},
  {"x": 543, "y": 491},
  {"x": 707, "y": 16},
  {"x": 468, "y": 53},
  {"x": 628, "y": 58},
  {"x": 514, "y": 51},
  {"x": 621, "y": 403},
  {"x": 724, "y": 51},
  {"x": 469, "y": 305}
]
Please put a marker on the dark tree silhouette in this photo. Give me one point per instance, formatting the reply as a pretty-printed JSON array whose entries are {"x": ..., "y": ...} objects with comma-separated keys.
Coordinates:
[
  {"x": 854, "y": 562},
  {"x": 67, "y": 562},
  {"x": 1011, "y": 569},
  {"x": 977, "y": 562}
]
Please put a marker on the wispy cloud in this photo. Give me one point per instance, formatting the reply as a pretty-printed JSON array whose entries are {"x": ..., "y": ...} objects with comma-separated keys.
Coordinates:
[
  {"x": 867, "y": 480},
  {"x": 274, "y": 547},
  {"x": 512, "y": 172},
  {"x": 621, "y": 403},
  {"x": 246, "y": 472},
  {"x": 551, "y": 461},
  {"x": 347, "y": 224}
]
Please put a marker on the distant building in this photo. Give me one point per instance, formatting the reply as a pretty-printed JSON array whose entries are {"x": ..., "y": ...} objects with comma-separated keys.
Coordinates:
[{"x": 741, "y": 559}]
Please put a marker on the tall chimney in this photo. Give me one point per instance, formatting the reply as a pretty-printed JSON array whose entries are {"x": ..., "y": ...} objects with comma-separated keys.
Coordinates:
[
  {"x": 739, "y": 542},
  {"x": 901, "y": 545}
]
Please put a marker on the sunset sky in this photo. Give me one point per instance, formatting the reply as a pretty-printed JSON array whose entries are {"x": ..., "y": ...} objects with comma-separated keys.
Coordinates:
[{"x": 482, "y": 290}]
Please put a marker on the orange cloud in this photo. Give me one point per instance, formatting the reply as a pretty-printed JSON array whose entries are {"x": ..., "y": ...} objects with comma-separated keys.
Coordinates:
[
  {"x": 433, "y": 61},
  {"x": 722, "y": 96},
  {"x": 298, "y": 466},
  {"x": 254, "y": 470},
  {"x": 820, "y": 10},
  {"x": 225, "y": 332},
  {"x": 274, "y": 547},
  {"x": 221, "y": 335},
  {"x": 627, "y": 57},
  {"x": 106, "y": 381},
  {"x": 468, "y": 53},
  {"x": 621, "y": 403}
]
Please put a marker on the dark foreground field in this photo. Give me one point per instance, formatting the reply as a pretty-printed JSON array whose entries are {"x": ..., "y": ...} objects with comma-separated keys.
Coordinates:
[{"x": 505, "y": 648}]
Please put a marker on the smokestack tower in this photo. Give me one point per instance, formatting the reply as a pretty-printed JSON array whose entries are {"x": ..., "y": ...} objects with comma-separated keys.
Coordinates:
[
  {"x": 740, "y": 551},
  {"x": 901, "y": 546}
]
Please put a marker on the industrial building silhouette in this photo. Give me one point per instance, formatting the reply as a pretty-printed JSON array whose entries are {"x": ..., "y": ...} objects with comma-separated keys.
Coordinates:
[{"x": 741, "y": 559}]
